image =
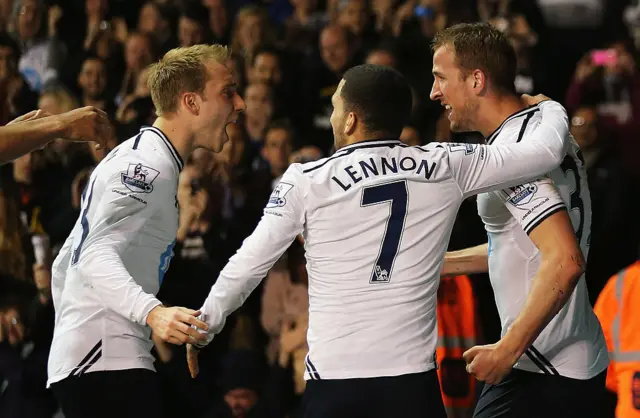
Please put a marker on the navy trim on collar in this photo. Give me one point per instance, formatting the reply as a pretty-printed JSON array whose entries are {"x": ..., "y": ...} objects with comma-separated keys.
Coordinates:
[
  {"x": 371, "y": 143},
  {"x": 494, "y": 134},
  {"x": 172, "y": 149}
]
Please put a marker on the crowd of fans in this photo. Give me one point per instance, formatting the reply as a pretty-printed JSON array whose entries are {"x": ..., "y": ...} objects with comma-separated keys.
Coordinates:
[{"x": 289, "y": 56}]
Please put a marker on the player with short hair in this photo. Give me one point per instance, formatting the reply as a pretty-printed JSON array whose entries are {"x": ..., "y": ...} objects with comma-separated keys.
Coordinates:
[
  {"x": 110, "y": 268},
  {"x": 376, "y": 217},
  {"x": 551, "y": 360}
]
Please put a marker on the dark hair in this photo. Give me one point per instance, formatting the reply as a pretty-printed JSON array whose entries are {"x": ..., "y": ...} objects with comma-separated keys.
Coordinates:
[
  {"x": 283, "y": 124},
  {"x": 483, "y": 47},
  {"x": 380, "y": 97},
  {"x": 91, "y": 56},
  {"x": 196, "y": 11},
  {"x": 264, "y": 49}
]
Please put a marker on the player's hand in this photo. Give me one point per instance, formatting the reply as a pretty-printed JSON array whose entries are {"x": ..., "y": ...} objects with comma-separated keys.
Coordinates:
[
  {"x": 33, "y": 115},
  {"x": 192, "y": 360},
  {"x": 86, "y": 124},
  {"x": 489, "y": 363},
  {"x": 534, "y": 100},
  {"x": 174, "y": 325}
]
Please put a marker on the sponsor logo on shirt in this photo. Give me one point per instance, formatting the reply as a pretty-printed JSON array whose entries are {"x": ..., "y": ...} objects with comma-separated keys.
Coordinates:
[
  {"x": 139, "y": 178},
  {"x": 467, "y": 148},
  {"x": 523, "y": 194},
  {"x": 277, "y": 196}
]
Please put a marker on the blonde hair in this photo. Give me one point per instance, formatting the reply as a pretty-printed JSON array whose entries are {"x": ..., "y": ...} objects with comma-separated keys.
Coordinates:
[
  {"x": 182, "y": 70},
  {"x": 65, "y": 100}
]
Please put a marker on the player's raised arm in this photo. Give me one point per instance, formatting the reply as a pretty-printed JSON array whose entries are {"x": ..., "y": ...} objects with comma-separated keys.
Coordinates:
[
  {"x": 282, "y": 221},
  {"x": 490, "y": 167},
  {"x": 37, "y": 128}
]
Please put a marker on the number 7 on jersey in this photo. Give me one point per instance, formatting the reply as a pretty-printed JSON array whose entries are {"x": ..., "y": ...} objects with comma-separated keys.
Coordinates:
[{"x": 396, "y": 194}]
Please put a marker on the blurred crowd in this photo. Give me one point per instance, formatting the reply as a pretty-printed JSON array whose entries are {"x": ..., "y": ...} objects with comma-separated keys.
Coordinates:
[{"x": 289, "y": 56}]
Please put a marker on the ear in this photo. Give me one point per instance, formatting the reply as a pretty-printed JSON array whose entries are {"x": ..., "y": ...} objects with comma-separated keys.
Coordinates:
[
  {"x": 190, "y": 102},
  {"x": 350, "y": 124},
  {"x": 478, "y": 81}
]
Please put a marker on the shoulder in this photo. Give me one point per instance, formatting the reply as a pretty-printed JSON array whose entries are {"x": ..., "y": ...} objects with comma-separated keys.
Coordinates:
[
  {"x": 311, "y": 168},
  {"x": 515, "y": 126},
  {"x": 142, "y": 150}
]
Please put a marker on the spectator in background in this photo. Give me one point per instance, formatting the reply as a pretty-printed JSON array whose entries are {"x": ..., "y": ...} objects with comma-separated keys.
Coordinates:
[
  {"x": 612, "y": 205},
  {"x": 384, "y": 12},
  {"x": 136, "y": 109},
  {"x": 355, "y": 15},
  {"x": 285, "y": 313},
  {"x": 92, "y": 81},
  {"x": 139, "y": 54},
  {"x": 260, "y": 110},
  {"x": 218, "y": 20},
  {"x": 14, "y": 239},
  {"x": 73, "y": 156},
  {"x": 56, "y": 100},
  {"x": 193, "y": 25},
  {"x": 610, "y": 78},
  {"x": 278, "y": 142},
  {"x": 382, "y": 56},
  {"x": 336, "y": 52},
  {"x": 6, "y": 13},
  {"x": 250, "y": 31},
  {"x": 265, "y": 67},
  {"x": 156, "y": 20},
  {"x": 249, "y": 388},
  {"x": 26, "y": 318},
  {"x": 16, "y": 95},
  {"x": 44, "y": 195},
  {"x": 530, "y": 77},
  {"x": 305, "y": 155},
  {"x": 42, "y": 56},
  {"x": 303, "y": 27}
]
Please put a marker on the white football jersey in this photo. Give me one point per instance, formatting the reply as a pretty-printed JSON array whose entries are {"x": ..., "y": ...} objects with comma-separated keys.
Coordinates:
[
  {"x": 376, "y": 219},
  {"x": 572, "y": 344},
  {"x": 111, "y": 266}
]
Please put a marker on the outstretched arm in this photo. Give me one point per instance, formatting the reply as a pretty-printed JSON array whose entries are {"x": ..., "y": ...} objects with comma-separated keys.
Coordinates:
[{"x": 36, "y": 129}]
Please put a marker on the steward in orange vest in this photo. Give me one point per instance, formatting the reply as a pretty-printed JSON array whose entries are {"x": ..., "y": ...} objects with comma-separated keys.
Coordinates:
[{"x": 618, "y": 309}]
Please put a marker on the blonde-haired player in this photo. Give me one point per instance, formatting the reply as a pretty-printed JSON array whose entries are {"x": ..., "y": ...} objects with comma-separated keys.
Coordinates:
[{"x": 111, "y": 266}]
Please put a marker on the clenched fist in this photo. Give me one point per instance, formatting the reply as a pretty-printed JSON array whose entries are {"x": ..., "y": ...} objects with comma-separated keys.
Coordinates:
[
  {"x": 489, "y": 363},
  {"x": 174, "y": 325}
]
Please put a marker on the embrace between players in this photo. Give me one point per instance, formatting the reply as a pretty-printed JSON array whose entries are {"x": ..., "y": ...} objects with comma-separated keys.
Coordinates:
[{"x": 375, "y": 250}]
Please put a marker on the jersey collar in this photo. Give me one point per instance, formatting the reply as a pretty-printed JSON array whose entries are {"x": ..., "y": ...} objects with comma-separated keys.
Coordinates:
[
  {"x": 372, "y": 143},
  {"x": 518, "y": 114},
  {"x": 172, "y": 149}
]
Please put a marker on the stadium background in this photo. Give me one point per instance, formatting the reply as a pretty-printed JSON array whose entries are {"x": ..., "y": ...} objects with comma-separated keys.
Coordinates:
[{"x": 289, "y": 56}]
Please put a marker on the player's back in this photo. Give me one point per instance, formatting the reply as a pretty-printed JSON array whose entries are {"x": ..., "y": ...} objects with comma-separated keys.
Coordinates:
[
  {"x": 379, "y": 216},
  {"x": 572, "y": 343}
]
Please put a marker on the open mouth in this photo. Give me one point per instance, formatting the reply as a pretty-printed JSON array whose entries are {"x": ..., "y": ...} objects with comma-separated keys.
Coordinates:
[{"x": 448, "y": 110}]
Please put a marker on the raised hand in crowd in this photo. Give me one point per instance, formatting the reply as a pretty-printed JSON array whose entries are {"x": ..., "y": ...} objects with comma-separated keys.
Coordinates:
[{"x": 11, "y": 327}]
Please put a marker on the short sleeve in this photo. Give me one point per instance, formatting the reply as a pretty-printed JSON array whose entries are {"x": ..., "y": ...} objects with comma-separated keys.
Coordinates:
[{"x": 531, "y": 203}]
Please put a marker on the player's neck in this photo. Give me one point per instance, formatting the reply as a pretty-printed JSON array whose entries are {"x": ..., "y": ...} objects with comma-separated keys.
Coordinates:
[
  {"x": 495, "y": 111},
  {"x": 178, "y": 134}
]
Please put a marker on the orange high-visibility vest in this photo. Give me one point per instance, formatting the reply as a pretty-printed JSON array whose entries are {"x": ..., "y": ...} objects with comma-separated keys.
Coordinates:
[
  {"x": 618, "y": 308},
  {"x": 456, "y": 311}
]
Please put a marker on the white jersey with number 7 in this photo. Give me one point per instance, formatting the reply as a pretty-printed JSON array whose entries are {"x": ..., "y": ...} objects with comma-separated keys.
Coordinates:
[{"x": 376, "y": 218}]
